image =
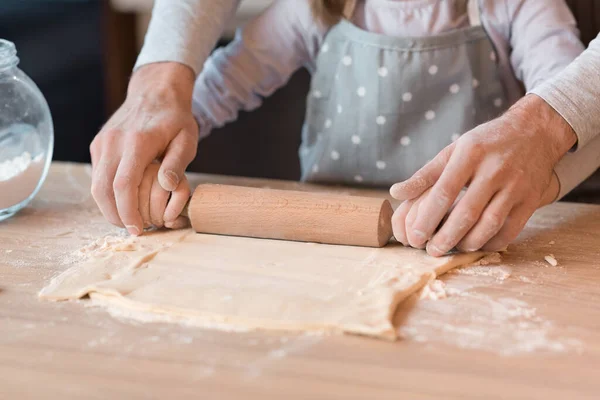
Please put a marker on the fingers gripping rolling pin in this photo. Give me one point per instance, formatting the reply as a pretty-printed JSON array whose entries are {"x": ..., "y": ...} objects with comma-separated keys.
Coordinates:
[{"x": 291, "y": 215}]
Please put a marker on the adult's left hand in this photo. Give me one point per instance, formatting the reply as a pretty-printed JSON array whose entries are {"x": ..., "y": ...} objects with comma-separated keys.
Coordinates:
[{"x": 507, "y": 168}]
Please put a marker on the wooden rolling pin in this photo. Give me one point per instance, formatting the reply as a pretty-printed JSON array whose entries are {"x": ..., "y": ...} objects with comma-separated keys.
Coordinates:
[{"x": 291, "y": 215}]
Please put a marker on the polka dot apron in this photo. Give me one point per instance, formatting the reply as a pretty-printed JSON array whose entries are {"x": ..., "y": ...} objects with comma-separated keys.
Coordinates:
[{"x": 381, "y": 107}]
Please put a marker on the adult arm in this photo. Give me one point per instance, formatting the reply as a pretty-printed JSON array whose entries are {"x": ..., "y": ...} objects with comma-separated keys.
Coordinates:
[
  {"x": 156, "y": 121},
  {"x": 507, "y": 163},
  {"x": 575, "y": 94},
  {"x": 185, "y": 31}
]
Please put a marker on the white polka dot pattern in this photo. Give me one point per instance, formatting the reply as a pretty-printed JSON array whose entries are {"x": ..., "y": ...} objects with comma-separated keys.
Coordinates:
[
  {"x": 380, "y": 120},
  {"x": 335, "y": 155},
  {"x": 405, "y": 141},
  {"x": 355, "y": 139},
  {"x": 433, "y": 70},
  {"x": 383, "y": 72},
  {"x": 430, "y": 115},
  {"x": 361, "y": 91},
  {"x": 407, "y": 97},
  {"x": 328, "y": 123},
  {"x": 380, "y": 165},
  {"x": 455, "y": 88},
  {"x": 347, "y": 61}
]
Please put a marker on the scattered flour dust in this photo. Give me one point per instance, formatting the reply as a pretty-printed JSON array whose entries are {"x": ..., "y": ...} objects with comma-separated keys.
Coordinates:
[
  {"x": 505, "y": 326},
  {"x": 272, "y": 350},
  {"x": 107, "y": 244},
  {"x": 19, "y": 177},
  {"x": 488, "y": 266}
]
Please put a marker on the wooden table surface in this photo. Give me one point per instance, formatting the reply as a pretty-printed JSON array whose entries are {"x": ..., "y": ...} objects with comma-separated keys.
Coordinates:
[{"x": 520, "y": 330}]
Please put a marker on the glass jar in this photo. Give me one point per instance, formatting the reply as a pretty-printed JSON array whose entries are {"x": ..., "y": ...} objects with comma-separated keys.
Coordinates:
[{"x": 26, "y": 135}]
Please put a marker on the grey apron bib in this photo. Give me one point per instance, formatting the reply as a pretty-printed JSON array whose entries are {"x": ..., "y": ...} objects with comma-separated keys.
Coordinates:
[{"x": 381, "y": 107}]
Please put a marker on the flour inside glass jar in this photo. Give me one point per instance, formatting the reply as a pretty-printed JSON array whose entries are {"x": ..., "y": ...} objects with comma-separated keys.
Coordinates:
[{"x": 20, "y": 170}]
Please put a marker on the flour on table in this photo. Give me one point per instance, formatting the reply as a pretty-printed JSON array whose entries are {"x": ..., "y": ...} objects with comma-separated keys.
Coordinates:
[
  {"x": 110, "y": 244},
  {"x": 488, "y": 266},
  {"x": 19, "y": 177},
  {"x": 506, "y": 326}
]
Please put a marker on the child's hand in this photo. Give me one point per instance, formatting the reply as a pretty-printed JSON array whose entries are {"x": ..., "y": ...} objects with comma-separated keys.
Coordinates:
[{"x": 161, "y": 208}]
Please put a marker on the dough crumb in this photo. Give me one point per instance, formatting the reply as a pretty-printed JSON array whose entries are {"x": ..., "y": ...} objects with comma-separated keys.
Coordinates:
[
  {"x": 8, "y": 251},
  {"x": 551, "y": 260},
  {"x": 551, "y": 242},
  {"x": 434, "y": 290},
  {"x": 525, "y": 279},
  {"x": 125, "y": 247},
  {"x": 500, "y": 273},
  {"x": 109, "y": 244},
  {"x": 490, "y": 259}
]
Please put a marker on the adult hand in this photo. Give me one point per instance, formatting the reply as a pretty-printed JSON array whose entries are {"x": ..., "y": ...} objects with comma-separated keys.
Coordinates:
[
  {"x": 154, "y": 122},
  {"x": 507, "y": 166}
]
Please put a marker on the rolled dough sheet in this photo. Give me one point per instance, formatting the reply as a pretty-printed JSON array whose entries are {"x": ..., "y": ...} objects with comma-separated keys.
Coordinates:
[{"x": 259, "y": 284}]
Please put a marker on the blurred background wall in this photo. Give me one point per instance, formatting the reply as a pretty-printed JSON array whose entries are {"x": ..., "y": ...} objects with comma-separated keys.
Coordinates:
[
  {"x": 59, "y": 44},
  {"x": 81, "y": 52}
]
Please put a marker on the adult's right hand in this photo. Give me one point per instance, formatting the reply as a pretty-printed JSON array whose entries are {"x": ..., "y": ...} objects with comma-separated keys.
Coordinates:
[
  {"x": 507, "y": 168},
  {"x": 154, "y": 123}
]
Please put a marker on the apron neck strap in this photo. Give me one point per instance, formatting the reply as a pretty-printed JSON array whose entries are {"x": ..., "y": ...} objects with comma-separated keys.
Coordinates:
[
  {"x": 349, "y": 9},
  {"x": 474, "y": 13}
]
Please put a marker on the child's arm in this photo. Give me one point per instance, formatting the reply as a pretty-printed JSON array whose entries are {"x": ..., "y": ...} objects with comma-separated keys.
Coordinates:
[
  {"x": 261, "y": 59},
  {"x": 543, "y": 37},
  {"x": 159, "y": 207}
]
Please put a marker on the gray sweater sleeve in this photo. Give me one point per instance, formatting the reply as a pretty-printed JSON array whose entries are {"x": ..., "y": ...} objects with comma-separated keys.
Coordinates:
[
  {"x": 185, "y": 31},
  {"x": 575, "y": 167},
  {"x": 575, "y": 95}
]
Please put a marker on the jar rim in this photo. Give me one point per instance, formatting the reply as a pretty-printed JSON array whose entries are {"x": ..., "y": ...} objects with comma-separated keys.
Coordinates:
[{"x": 8, "y": 54}]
